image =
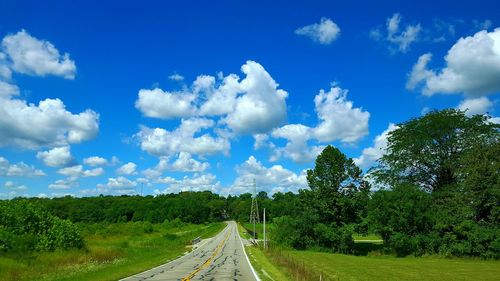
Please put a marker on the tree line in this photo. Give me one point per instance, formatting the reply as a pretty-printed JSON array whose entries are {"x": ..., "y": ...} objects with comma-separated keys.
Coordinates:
[{"x": 436, "y": 190}]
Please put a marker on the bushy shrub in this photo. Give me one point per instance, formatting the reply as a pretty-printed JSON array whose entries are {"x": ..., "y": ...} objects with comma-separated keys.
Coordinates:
[
  {"x": 338, "y": 239},
  {"x": 147, "y": 227},
  {"x": 27, "y": 227}
]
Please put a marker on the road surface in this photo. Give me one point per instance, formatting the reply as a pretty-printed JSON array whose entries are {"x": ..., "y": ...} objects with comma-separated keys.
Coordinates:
[{"x": 220, "y": 258}]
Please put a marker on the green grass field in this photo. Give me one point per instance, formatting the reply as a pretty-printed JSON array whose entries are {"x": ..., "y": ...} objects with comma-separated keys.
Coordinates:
[
  {"x": 346, "y": 267},
  {"x": 308, "y": 265},
  {"x": 113, "y": 251}
]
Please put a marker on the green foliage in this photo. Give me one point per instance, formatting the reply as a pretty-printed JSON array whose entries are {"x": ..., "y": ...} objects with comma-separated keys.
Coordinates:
[
  {"x": 27, "y": 227},
  {"x": 147, "y": 227},
  {"x": 404, "y": 209},
  {"x": 426, "y": 151},
  {"x": 326, "y": 215},
  {"x": 189, "y": 207}
]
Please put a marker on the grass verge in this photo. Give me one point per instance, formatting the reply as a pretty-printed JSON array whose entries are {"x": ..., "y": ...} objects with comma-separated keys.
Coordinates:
[{"x": 266, "y": 270}]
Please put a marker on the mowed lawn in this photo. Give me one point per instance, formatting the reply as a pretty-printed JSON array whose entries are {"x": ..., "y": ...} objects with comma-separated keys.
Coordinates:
[
  {"x": 113, "y": 251},
  {"x": 347, "y": 267}
]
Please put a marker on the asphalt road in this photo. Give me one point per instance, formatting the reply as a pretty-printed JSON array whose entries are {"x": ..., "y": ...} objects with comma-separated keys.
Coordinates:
[{"x": 220, "y": 258}]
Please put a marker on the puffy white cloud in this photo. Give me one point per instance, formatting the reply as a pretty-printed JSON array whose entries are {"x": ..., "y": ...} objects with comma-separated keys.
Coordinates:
[
  {"x": 93, "y": 172},
  {"x": 273, "y": 179},
  {"x": 324, "y": 32},
  {"x": 32, "y": 56},
  {"x": 261, "y": 140},
  {"x": 18, "y": 170},
  {"x": 405, "y": 38},
  {"x": 185, "y": 163},
  {"x": 371, "y": 154},
  {"x": 165, "y": 105},
  {"x": 161, "y": 142},
  {"x": 472, "y": 68},
  {"x": 64, "y": 184},
  {"x": 157, "y": 171},
  {"x": 176, "y": 77},
  {"x": 15, "y": 186},
  {"x": 473, "y": 106},
  {"x": 127, "y": 169},
  {"x": 296, "y": 148},
  {"x": 495, "y": 120},
  {"x": 196, "y": 182},
  {"x": 119, "y": 182},
  {"x": 252, "y": 105},
  {"x": 338, "y": 119},
  {"x": 5, "y": 72},
  {"x": 46, "y": 124},
  {"x": 57, "y": 157},
  {"x": 77, "y": 171},
  {"x": 262, "y": 107},
  {"x": 220, "y": 100},
  {"x": 95, "y": 161},
  {"x": 7, "y": 90},
  {"x": 398, "y": 40}
]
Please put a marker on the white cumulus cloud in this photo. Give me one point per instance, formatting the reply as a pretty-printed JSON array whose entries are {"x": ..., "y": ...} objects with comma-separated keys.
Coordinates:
[
  {"x": 57, "y": 157},
  {"x": 339, "y": 120},
  {"x": 250, "y": 106},
  {"x": 324, "y": 32},
  {"x": 77, "y": 171},
  {"x": 64, "y": 184},
  {"x": 273, "y": 179},
  {"x": 95, "y": 161},
  {"x": 262, "y": 107},
  {"x": 127, "y": 169},
  {"x": 46, "y": 124},
  {"x": 186, "y": 138},
  {"x": 472, "y": 68},
  {"x": 473, "y": 106},
  {"x": 297, "y": 147},
  {"x": 185, "y": 163},
  {"x": 8, "y": 90},
  {"x": 32, "y": 56},
  {"x": 400, "y": 40},
  {"x": 20, "y": 169},
  {"x": 196, "y": 182},
  {"x": 371, "y": 154},
  {"x": 119, "y": 182},
  {"x": 165, "y": 105}
]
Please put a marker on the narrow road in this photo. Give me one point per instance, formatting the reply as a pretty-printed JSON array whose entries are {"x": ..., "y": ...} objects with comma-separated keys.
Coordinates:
[{"x": 221, "y": 258}]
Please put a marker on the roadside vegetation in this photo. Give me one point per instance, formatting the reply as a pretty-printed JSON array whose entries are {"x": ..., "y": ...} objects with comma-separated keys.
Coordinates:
[
  {"x": 428, "y": 210},
  {"x": 431, "y": 199},
  {"x": 110, "y": 251}
]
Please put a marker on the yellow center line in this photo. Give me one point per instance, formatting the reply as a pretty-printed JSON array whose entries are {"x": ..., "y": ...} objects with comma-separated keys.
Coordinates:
[{"x": 209, "y": 260}]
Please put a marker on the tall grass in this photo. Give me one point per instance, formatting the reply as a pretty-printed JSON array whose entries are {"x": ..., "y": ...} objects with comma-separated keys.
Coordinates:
[
  {"x": 113, "y": 251},
  {"x": 295, "y": 268}
]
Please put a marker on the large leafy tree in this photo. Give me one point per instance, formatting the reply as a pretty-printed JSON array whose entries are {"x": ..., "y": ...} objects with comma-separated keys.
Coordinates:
[
  {"x": 426, "y": 151},
  {"x": 334, "y": 183}
]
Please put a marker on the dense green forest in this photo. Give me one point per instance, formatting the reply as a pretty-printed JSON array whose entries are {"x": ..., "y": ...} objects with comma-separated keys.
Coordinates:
[{"x": 435, "y": 191}]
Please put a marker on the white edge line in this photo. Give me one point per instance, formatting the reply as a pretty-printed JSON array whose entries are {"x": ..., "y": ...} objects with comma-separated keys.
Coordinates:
[{"x": 245, "y": 252}]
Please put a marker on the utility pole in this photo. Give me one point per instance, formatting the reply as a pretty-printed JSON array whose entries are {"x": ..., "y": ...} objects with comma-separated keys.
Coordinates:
[
  {"x": 265, "y": 241},
  {"x": 254, "y": 213}
]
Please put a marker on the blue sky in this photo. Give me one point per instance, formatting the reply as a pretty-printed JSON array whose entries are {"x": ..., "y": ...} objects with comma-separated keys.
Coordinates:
[{"x": 97, "y": 97}]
